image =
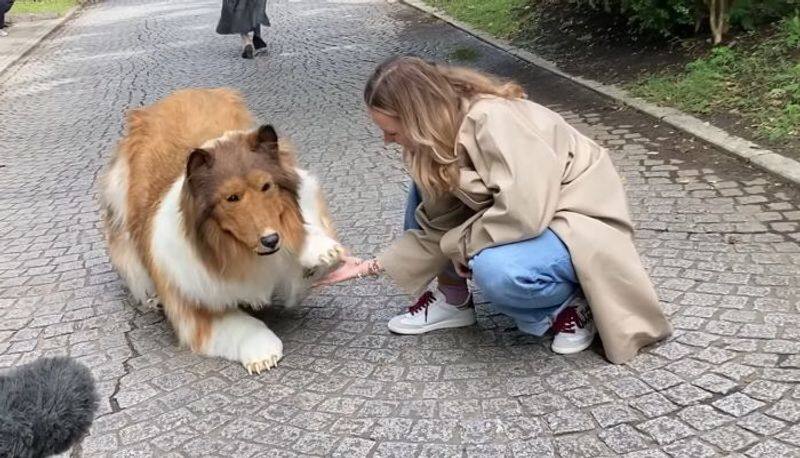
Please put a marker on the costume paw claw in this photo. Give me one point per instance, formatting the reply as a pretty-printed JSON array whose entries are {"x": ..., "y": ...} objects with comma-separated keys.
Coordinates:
[
  {"x": 258, "y": 367},
  {"x": 332, "y": 256}
]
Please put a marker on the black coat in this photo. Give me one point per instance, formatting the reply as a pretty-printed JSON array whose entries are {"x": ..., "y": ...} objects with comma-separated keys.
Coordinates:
[{"x": 242, "y": 16}]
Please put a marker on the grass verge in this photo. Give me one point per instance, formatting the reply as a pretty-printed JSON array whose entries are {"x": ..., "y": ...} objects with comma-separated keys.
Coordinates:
[
  {"x": 498, "y": 17},
  {"x": 43, "y": 6}
]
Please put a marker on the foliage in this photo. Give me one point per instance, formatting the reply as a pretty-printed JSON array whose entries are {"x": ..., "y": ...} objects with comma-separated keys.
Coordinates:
[
  {"x": 682, "y": 17},
  {"x": 761, "y": 84}
]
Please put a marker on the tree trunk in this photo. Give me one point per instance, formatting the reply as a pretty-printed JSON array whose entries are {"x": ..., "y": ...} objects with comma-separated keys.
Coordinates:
[{"x": 719, "y": 15}]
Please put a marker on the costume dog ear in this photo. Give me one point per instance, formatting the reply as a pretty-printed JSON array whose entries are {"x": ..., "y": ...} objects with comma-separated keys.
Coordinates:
[
  {"x": 199, "y": 159},
  {"x": 265, "y": 141}
]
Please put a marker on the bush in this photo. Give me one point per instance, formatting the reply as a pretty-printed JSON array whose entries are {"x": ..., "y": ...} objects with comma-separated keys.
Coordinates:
[{"x": 683, "y": 17}]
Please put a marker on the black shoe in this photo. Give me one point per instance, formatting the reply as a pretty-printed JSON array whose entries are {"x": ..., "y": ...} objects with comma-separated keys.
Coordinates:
[
  {"x": 258, "y": 42},
  {"x": 248, "y": 52}
]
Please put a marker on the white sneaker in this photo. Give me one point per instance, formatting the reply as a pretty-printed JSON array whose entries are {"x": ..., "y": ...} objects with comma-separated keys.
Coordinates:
[
  {"x": 574, "y": 328},
  {"x": 432, "y": 312},
  {"x": 3, "y": 33}
]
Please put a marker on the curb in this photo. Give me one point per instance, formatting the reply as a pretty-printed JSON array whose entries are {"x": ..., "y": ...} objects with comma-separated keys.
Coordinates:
[
  {"x": 44, "y": 34},
  {"x": 768, "y": 160}
]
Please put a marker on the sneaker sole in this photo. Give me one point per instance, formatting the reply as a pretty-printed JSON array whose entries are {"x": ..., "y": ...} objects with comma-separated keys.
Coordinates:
[
  {"x": 447, "y": 324},
  {"x": 572, "y": 350}
]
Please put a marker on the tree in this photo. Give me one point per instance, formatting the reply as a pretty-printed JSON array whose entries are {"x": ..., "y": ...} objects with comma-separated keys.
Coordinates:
[{"x": 719, "y": 18}]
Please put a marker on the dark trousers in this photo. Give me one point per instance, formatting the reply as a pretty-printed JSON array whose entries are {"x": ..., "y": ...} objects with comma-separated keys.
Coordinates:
[{"x": 5, "y": 5}]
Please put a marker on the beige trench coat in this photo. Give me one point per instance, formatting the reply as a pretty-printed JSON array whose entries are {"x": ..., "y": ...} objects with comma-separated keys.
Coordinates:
[{"x": 525, "y": 169}]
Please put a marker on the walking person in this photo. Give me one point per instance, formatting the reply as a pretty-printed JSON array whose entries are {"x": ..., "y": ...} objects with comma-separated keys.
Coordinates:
[
  {"x": 5, "y": 6},
  {"x": 508, "y": 194},
  {"x": 245, "y": 18}
]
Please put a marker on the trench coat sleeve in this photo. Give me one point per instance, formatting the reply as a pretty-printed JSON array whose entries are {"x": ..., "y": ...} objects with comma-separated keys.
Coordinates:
[
  {"x": 416, "y": 257},
  {"x": 522, "y": 173}
]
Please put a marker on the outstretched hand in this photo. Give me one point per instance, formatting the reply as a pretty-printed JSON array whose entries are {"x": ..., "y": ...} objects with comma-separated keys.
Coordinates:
[{"x": 350, "y": 267}]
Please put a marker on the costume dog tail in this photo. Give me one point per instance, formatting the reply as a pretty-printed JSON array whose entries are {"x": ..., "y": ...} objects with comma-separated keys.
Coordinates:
[{"x": 45, "y": 407}]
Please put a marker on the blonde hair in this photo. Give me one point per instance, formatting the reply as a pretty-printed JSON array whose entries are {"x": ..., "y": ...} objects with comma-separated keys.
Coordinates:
[{"x": 430, "y": 101}]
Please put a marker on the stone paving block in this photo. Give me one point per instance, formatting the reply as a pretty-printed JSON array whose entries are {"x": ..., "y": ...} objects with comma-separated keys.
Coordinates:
[
  {"x": 353, "y": 447},
  {"x": 519, "y": 428},
  {"x": 440, "y": 450},
  {"x": 715, "y": 383},
  {"x": 761, "y": 424},
  {"x": 771, "y": 448},
  {"x": 653, "y": 405},
  {"x": 580, "y": 446},
  {"x": 686, "y": 394},
  {"x": 614, "y": 414},
  {"x": 730, "y": 438},
  {"x": 629, "y": 387},
  {"x": 623, "y": 439},
  {"x": 649, "y": 453},
  {"x": 432, "y": 431},
  {"x": 693, "y": 447},
  {"x": 666, "y": 430},
  {"x": 791, "y": 435},
  {"x": 485, "y": 450},
  {"x": 480, "y": 431},
  {"x": 533, "y": 448},
  {"x": 786, "y": 410},
  {"x": 704, "y": 418},
  {"x": 737, "y": 404},
  {"x": 660, "y": 379},
  {"x": 395, "y": 449},
  {"x": 569, "y": 421}
]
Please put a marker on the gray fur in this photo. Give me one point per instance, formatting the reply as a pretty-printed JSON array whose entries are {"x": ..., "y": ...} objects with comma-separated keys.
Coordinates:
[{"x": 45, "y": 407}]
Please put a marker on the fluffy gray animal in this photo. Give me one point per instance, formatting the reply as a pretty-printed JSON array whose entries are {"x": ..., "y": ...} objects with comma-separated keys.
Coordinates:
[{"x": 45, "y": 407}]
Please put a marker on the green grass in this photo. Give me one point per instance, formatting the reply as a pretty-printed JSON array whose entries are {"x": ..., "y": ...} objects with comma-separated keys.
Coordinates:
[
  {"x": 760, "y": 84},
  {"x": 498, "y": 17},
  {"x": 43, "y": 6}
]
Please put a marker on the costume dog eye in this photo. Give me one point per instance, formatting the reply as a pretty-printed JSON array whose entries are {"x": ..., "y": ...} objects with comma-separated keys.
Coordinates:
[
  {"x": 232, "y": 198},
  {"x": 266, "y": 187}
]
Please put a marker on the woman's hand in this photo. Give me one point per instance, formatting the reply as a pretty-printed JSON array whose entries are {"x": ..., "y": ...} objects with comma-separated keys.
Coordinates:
[
  {"x": 349, "y": 268},
  {"x": 462, "y": 270}
]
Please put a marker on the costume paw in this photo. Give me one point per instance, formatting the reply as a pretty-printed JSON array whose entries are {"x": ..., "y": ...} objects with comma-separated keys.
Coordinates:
[
  {"x": 261, "y": 352},
  {"x": 320, "y": 252}
]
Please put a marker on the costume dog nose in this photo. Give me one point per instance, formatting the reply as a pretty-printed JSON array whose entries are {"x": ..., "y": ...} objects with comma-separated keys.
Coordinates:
[{"x": 270, "y": 241}]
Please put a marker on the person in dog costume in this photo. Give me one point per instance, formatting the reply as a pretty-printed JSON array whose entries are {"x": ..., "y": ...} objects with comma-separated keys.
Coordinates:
[{"x": 508, "y": 194}]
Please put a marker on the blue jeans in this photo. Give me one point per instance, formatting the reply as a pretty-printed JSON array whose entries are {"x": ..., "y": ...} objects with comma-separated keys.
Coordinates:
[{"x": 530, "y": 280}]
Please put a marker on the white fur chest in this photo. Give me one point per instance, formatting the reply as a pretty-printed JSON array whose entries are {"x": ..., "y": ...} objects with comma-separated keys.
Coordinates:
[{"x": 180, "y": 265}]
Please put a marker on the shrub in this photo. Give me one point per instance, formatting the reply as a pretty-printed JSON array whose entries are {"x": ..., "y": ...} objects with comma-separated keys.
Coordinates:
[{"x": 682, "y": 17}]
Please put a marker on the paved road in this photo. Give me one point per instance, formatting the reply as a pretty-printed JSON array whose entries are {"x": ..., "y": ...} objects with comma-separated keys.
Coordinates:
[{"x": 721, "y": 241}]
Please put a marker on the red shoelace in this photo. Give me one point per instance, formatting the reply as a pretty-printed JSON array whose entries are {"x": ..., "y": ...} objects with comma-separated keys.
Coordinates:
[
  {"x": 567, "y": 320},
  {"x": 423, "y": 303}
]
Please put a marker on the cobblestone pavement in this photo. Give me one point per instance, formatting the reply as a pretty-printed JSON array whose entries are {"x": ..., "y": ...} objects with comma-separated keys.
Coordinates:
[{"x": 721, "y": 241}]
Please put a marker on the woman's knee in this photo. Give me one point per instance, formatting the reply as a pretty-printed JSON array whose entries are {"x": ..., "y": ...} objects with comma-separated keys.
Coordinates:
[
  {"x": 504, "y": 281},
  {"x": 495, "y": 277}
]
